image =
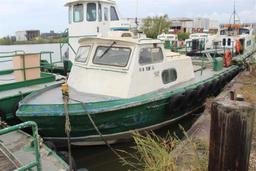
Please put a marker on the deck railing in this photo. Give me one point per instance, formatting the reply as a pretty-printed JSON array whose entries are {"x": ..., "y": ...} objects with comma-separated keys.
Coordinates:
[
  {"x": 33, "y": 125},
  {"x": 6, "y": 57}
]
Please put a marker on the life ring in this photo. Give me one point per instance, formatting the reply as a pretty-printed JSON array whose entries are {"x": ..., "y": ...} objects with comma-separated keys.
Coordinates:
[
  {"x": 238, "y": 47},
  {"x": 175, "y": 103},
  {"x": 227, "y": 58}
]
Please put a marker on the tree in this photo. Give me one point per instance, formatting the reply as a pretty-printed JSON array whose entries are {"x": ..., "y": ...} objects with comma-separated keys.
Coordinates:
[
  {"x": 153, "y": 26},
  {"x": 183, "y": 36}
]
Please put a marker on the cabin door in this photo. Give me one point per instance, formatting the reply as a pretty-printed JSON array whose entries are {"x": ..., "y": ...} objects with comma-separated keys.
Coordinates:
[{"x": 103, "y": 19}]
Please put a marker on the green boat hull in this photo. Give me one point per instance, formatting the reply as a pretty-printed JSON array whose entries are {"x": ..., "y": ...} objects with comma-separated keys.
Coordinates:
[
  {"x": 116, "y": 119},
  {"x": 9, "y": 103}
]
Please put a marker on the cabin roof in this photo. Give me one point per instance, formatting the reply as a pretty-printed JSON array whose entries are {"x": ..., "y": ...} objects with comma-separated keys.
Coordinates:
[
  {"x": 81, "y": 1},
  {"x": 125, "y": 40}
]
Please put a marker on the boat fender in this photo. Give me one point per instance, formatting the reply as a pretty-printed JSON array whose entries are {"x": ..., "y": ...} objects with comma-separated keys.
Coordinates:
[
  {"x": 191, "y": 96},
  {"x": 176, "y": 102},
  {"x": 212, "y": 86},
  {"x": 203, "y": 92},
  {"x": 218, "y": 87},
  {"x": 64, "y": 155}
]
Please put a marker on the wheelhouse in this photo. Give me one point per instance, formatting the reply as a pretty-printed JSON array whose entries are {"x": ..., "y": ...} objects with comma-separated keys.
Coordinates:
[{"x": 126, "y": 67}]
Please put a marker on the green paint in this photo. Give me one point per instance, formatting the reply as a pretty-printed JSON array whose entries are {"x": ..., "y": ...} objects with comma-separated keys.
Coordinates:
[
  {"x": 45, "y": 78},
  {"x": 37, "y": 162},
  {"x": 110, "y": 116}
]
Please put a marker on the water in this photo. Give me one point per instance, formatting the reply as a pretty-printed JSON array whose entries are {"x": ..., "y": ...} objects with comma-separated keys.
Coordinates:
[
  {"x": 100, "y": 158},
  {"x": 35, "y": 48}
]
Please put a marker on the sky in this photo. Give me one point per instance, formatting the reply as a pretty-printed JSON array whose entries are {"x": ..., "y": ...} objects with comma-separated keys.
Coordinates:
[{"x": 49, "y": 15}]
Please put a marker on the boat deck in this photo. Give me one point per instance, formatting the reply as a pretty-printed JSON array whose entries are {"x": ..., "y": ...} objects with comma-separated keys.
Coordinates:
[
  {"x": 26, "y": 89},
  {"x": 18, "y": 143},
  {"x": 6, "y": 79},
  {"x": 57, "y": 98},
  {"x": 7, "y": 160}
]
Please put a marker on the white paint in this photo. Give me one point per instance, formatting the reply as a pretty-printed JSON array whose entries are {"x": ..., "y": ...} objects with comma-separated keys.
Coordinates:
[{"x": 129, "y": 81}]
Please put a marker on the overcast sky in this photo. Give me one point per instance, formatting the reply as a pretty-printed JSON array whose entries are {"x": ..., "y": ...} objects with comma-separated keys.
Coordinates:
[{"x": 52, "y": 15}]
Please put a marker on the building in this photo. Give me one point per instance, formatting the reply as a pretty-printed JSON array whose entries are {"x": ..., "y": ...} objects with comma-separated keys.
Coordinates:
[
  {"x": 27, "y": 35},
  {"x": 196, "y": 25},
  {"x": 53, "y": 35},
  {"x": 181, "y": 25}
]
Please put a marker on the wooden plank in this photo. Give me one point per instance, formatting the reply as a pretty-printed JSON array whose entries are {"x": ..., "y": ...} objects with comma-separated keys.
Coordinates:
[{"x": 231, "y": 135}]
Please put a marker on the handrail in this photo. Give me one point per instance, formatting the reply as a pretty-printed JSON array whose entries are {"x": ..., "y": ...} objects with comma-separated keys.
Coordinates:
[
  {"x": 37, "y": 162},
  {"x": 23, "y": 54}
]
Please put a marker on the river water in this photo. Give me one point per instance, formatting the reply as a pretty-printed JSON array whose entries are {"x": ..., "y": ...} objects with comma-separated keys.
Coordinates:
[
  {"x": 95, "y": 158},
  {"x": 35, "y": 48}
]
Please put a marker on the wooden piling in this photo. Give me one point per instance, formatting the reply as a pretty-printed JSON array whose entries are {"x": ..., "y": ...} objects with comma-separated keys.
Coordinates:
[{"x": 231, "y": 135}]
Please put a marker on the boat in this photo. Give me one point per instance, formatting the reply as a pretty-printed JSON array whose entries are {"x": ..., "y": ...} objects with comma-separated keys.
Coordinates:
[
  {"x": 20, "y": 75},
  {"x": 171, "y": 41},
  {"x": 87, "y": 18},
  {"x": 21, "y": 151},
  {"x": 199, "y": 42},
  {"x": 121, "y": 84}
]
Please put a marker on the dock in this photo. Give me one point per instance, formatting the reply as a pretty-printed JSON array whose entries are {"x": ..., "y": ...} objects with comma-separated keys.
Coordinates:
[{"x": 196, "y": 145}]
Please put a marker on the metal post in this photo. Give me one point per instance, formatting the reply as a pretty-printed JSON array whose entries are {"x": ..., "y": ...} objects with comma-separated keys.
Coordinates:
[
  {"x": 24, "y": 67},
  {"x": 36, "y": 147}
]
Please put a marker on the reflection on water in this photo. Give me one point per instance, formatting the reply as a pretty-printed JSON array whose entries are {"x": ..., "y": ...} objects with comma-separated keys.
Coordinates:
[{"x": 100, "y": 158}]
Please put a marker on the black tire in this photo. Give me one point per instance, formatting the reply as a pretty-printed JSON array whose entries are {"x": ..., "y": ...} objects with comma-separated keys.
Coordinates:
[
  {"x": 190, "y": 98},
  {"x": 203, "y": 92},
  {"x": 51, "y": 145},
  {"x": 64, "y": 155},
  {"x": 176, "y": 102}
]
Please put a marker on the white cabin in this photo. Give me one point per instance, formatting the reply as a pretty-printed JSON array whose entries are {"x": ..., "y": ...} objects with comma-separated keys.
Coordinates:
[
  {"x": 92, "y": 18},
  {"x": 204, "y": 38},
  {"x": 228, "y": 37},
  {"x": 127, "y": 67}
]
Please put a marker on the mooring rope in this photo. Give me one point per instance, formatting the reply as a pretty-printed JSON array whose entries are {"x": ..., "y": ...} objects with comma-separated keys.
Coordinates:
[{"x": 97, "y": 129}]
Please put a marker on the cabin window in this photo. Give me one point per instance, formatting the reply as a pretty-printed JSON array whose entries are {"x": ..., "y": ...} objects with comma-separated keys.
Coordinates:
[
  {"x": 115, "y": 56},
  {"x": 150, "y": 56},
  {"x": 100, "y": 12},
  {"x": 113, "y": 14},
  {"x": 82, "y": 54},
  {"x": 249, "y": 43},
  {"x": 229, "y": 42},
  {"x": 224, "y": 42},
  {"x": 169, "y": 75},
  {"x": 70, "y": 15},
  {"x": 78, "y": 13},
  {"x": 91, "y": 12},
  {"x": 106, "y": 14}
]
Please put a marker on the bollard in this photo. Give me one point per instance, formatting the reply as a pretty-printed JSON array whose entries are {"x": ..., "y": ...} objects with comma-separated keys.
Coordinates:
[{"x": 231, "y": 135}]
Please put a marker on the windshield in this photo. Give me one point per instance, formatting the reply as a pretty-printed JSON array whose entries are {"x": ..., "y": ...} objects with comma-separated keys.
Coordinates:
[
  {"x": 115, "y": 56},
  {"x": 82, "y": 54}
]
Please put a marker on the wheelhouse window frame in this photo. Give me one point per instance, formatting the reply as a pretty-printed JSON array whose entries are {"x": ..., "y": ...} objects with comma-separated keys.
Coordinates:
[
  {"x": 91, "y": 12},
  {"x": 153, "y": 61},
  {"x": 169, "y": 75},
  {"x": 78, "y": 13},
  {"x": 99, "y": 12},
  {"x": 109, "y": 64},
  {"x": 106, "y": 14},
  {"x": 88, "y": 55},
  {"x": 113, "y": 14},
  {"x": 70, "y": 16}
]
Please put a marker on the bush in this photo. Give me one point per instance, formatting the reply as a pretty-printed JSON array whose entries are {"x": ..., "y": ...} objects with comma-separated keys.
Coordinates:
[
  {"x": 183, "y": 36},
  {"x": 153, "y": 26}
]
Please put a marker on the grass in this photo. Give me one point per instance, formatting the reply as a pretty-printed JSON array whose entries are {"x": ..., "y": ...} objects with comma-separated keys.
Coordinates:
[{"x": 154, "y": 153}]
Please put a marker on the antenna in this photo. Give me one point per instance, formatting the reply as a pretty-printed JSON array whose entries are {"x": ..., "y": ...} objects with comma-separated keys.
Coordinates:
[
  {"x": 234, "y": 15},
  {"x": 137, "y": 11}
]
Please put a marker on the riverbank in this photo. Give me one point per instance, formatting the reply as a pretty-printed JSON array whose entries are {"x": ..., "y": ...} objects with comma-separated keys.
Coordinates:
[
  {"x": 192, "y": 153},
  {"x": 9, "y": 41}
]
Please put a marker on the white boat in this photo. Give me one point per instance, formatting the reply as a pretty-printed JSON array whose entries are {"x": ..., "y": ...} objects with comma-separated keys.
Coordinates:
[
  {"x": 92, "y": 18},
  {"x": 119, "y": 84}
]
